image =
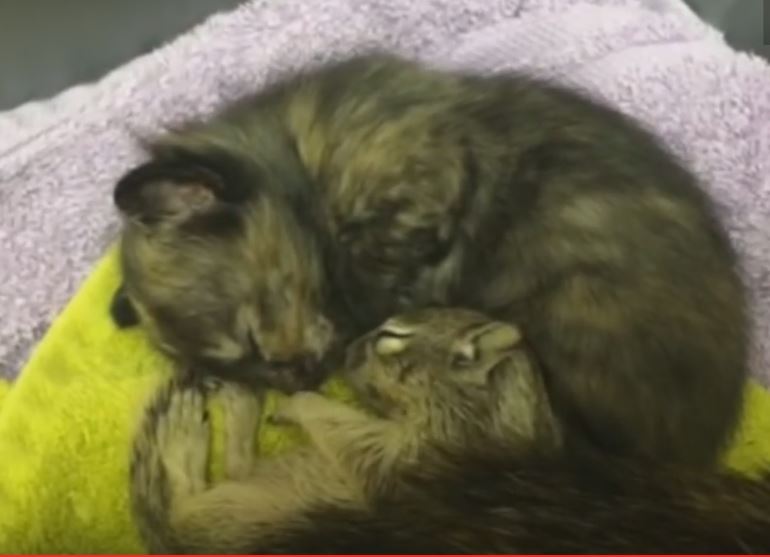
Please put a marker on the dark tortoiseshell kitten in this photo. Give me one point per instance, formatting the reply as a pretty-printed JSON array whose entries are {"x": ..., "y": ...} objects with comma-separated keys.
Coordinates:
[{"x": 504, "y": 194}]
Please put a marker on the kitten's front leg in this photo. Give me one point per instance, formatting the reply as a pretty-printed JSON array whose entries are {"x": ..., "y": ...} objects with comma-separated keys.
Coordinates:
[{"x": 364, "y": 446}]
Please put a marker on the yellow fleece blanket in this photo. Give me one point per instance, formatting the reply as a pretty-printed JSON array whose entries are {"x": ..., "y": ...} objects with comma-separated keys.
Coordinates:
[{"x": 67, "y": 422}]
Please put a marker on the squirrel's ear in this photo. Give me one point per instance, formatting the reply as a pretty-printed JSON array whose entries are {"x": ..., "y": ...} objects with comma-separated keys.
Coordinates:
[
  {"x": 122, "y": 310},
  {"x": 167, "y": 191}
]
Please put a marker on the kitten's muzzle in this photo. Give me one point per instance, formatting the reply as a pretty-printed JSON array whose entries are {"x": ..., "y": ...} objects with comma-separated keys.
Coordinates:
[{"x": 300, "y": 374}]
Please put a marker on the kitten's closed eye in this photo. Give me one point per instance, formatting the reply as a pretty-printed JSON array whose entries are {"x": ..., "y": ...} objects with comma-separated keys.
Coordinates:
[{"x": 430, "y": 245}]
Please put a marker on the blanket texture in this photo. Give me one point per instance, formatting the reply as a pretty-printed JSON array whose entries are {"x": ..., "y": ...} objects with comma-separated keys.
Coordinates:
[{"x": 65, "y": 426}]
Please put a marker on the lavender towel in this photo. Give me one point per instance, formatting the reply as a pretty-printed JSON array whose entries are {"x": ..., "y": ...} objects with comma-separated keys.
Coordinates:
[{"x": 652, "y": 58}]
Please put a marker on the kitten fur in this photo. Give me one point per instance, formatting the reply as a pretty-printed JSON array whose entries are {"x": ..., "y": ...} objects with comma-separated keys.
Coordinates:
[
  {"x": 459, "y": 453},
  {"x": 505, "y": 194}
]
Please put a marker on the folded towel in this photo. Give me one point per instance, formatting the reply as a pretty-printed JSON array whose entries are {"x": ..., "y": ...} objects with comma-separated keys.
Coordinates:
[{"x": 65, "y": 427}]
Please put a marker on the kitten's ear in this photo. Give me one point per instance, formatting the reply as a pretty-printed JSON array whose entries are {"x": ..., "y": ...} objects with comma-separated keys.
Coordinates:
[
  {"x": 122, "y": 310},
  {"x": 167, "y": 191}
]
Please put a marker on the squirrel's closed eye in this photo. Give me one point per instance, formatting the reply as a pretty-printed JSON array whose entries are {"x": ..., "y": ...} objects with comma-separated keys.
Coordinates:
[{"x": 390, "y": 342}]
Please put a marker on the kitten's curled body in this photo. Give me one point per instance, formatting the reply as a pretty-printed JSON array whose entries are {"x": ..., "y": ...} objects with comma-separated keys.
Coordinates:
[
  {"x": 460, "y": 455},
  {"x": 547, "y": 210},
  {"x": 528, "y": 202}
]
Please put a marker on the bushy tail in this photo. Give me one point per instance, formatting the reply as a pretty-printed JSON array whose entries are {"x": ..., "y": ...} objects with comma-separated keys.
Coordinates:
[{"x": 529, "y": 504}]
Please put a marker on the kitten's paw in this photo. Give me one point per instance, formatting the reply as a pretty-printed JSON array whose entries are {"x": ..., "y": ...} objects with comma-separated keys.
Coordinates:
[
  {"x": 184, "y": 437},
  {"x": 300, "y": 408},
  {"x": 243, "y": 410}
]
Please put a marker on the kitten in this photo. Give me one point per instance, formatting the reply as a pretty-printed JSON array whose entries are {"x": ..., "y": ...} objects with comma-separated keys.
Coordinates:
[
  {"x": 458, "y": 452},
  {"x": 504, "y": 194}
]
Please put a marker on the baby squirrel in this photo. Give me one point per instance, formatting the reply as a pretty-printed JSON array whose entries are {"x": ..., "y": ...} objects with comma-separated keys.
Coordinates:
[{"x": 457, "y": 452}]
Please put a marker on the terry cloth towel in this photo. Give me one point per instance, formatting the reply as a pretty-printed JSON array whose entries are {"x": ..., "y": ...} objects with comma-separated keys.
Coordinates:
[{"x": 65, "y": 426}]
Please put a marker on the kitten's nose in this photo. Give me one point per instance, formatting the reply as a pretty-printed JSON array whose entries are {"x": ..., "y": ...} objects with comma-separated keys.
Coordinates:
[{"x": 299, "y": 374}]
